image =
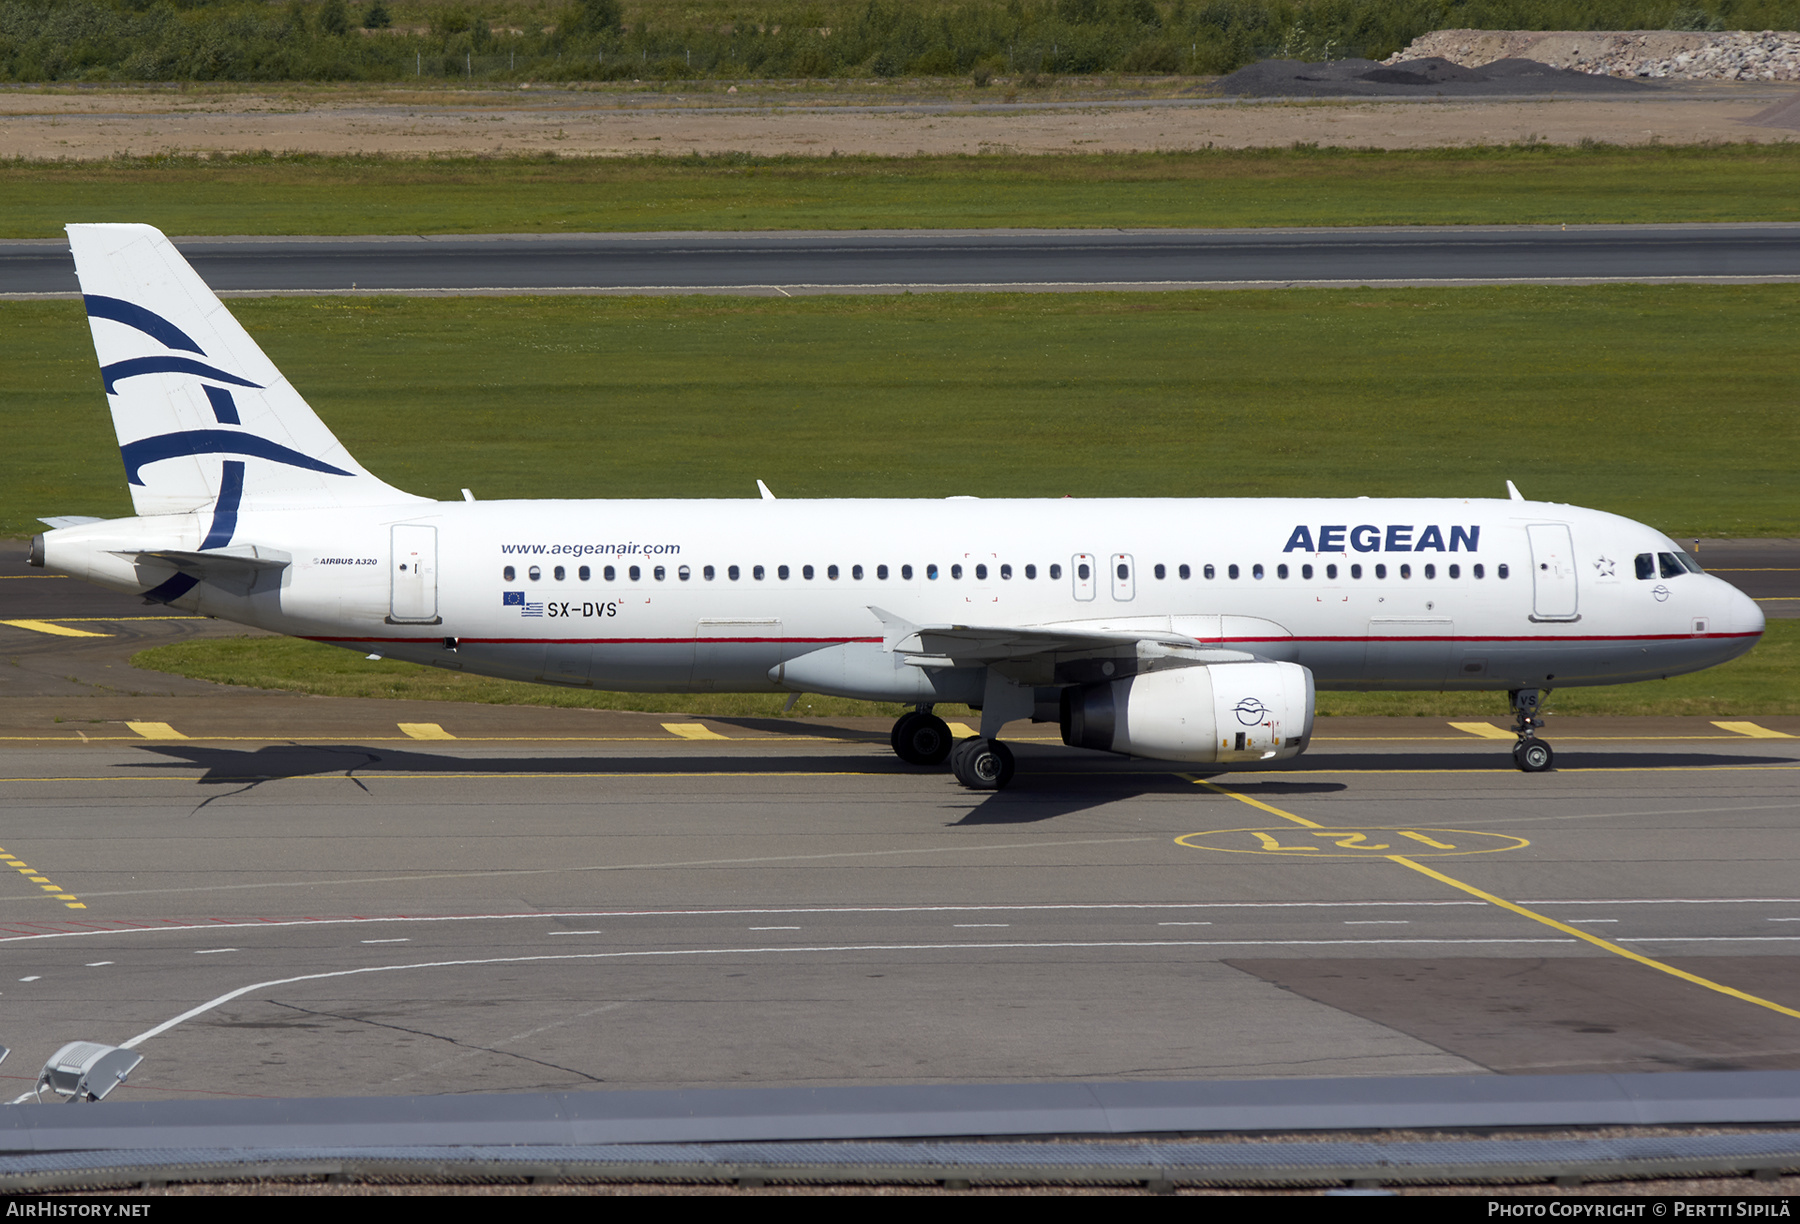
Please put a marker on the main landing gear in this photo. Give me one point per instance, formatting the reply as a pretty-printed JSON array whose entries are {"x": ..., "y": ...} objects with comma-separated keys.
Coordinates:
[
  {"x": 1530, "y": 754},
  {"x": 922, "y": 738}
]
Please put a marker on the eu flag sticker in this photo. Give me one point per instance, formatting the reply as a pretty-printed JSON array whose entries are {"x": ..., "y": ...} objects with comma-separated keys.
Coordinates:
[{"x": 512, "y": 599}]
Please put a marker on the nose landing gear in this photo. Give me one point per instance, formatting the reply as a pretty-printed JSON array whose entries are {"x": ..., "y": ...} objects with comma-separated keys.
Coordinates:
[{"x": 1530, "y": 754}]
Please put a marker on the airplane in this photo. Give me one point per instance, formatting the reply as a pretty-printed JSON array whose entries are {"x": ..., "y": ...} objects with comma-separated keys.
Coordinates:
[{"x": 1195, "y": 631}]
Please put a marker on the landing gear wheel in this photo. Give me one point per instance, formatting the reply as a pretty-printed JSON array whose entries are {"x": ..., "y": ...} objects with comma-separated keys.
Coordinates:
[
  {"x": 1533, "y": 755},
  {"x": 982, "y": 764},
  {"x": 921, "y": 739}
]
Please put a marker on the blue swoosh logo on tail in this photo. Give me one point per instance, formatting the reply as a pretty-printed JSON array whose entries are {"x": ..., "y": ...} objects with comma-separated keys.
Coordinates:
[
  {"x": 215, "y": 442},
  {"x": 146, "y": 321},
  {"x": 131, "y": 368}
]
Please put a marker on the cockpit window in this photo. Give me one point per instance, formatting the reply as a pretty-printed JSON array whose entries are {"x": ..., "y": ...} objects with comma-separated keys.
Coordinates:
[
  {"x": 1670, "y": 567},
  {"x": 1646, "y": 566},
  {"x": 1692, "y": 565}
]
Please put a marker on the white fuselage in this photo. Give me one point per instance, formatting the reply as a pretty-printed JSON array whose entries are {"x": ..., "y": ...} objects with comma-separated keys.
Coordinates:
[{"x": 1445, "y": 594}]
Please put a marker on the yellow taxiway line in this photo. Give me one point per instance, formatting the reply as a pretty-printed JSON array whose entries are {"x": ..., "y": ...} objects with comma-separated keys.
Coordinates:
[{"x": 1514, "y": 907}]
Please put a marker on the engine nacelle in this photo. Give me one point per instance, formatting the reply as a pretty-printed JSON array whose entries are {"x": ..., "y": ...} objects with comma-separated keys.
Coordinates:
[{"x": 1214, "y": 713}]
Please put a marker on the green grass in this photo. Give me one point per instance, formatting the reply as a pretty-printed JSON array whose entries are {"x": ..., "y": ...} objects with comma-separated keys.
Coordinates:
[
  {"x": 1676, "y": 406},
  {"x": 1303, "y": 186},
  {"x": 1764, "y": 682}
]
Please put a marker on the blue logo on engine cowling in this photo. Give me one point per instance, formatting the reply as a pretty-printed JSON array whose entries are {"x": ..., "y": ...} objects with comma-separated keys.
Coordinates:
[
  {"x": 1250, "y": 711},
  {"x": 1394, "y": 537}
]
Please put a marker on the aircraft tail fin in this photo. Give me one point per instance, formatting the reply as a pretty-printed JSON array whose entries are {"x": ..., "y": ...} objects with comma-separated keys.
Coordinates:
[{"x": 203, "y": 417}]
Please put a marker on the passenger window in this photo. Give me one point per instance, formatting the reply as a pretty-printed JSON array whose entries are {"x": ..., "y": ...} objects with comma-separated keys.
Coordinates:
[
  {"x": 1479, "y": 571},
  {"x": 856, "y": 572},
  {"x": 1306, "y": 572},
  {"x": 732, "y": 571},
  {"x": 956, "y": 571},
  {"x": 906, "y": 572},
  {"x": 981, "y": 573},
  {"x": 931, "y": 571},
  {"x": 1281, "y": 571},
  {"x": 1231, "y": 571},
  {"x": 1081, "y": 571},
  {"x": 1671, "y": 568},
  {"x": 1055, "y": 572},
  {"x": 684, "y": 573},
  {"x": 584, "y": 573},
  {"x": 1331, "y": 572},
  {"x": 1256, "y": 571},
  {"x": 1455, "y": 571},
  {"x": 708, "y": 573},
  {"x": 1005, "y": 573},
  {"x": 1185, "y": 573},
  {"x": 1031, "y": 571},
  {"x": 635, "y": 573},
  {"x": 1431, "y": 571},
  {"x": 781, "y": 572},
  {"x": 1356, "y": 571},
  {"x": 881, "y": 572},
  {"x": 1406, "y": 571},
  {"x": 756, "y": 572},
  {"x": 560, "y": 573},
  {"x": 1499, "y": 570},
  {"x": 831, "y": 572},
  {"x": 806, "y": 572},
  {"x": 1209, "y": 572},
  {"x": 507, "y": 574},
  {"x": 1124, "y": 572},
  {"x": 609, "y": 573},
  {"x": 1161, "y": 570},
  {"x": 661, "y": 573},
  {"x": 1381, "y": 571},
  {"x": 534, "y": 573},
  {"x": 1646, "y": 566}
]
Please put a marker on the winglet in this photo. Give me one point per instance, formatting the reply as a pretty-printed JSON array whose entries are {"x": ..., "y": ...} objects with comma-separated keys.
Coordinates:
[
  {"x": 1512, "y": 491},
  {"x": 895, "y": 629},
  {"x": 764, "y": 490}
]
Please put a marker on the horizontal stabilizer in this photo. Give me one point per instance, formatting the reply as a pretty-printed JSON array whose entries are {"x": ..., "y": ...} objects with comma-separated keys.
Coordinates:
[
  {"x": 69, "y": 520},
  {"x": 238, "y": 570}
]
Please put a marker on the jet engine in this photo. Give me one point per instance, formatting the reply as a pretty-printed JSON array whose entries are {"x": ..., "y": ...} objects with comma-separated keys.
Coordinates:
[{"x": 1223, "y": 713}]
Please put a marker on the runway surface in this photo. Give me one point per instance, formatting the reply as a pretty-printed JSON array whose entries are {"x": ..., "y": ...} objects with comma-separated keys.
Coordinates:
[
  {"x": 280, "y": 895},
  {"x": 839, "y": 262}
]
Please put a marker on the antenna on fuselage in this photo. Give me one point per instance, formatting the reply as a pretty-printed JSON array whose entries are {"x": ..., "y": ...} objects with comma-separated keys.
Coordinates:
[
  {"x": 1512, "y": 491},
  {"x": 764, "y": 490}
]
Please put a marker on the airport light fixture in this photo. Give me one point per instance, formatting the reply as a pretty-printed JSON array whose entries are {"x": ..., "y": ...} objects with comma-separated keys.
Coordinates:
[{"x": 86, "y": 1070}]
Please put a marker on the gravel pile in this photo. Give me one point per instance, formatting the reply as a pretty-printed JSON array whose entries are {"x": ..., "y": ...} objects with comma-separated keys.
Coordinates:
[
  {"x": 1682, "y": 55},
  {"x": 1428, "y": 77}
]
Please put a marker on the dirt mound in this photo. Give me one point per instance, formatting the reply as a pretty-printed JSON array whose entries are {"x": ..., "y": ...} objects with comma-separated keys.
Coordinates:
[
  {"x": 1432, "y": 76},
  {"x": 1686, "y": 55}
]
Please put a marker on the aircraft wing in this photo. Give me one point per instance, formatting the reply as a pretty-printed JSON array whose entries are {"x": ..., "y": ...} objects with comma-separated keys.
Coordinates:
[{"x": 1053, "y": 647}]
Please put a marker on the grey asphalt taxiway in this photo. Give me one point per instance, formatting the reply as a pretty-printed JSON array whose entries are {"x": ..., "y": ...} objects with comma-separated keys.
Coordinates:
[
  {"x": 802, "y": 262},
  {"x": 273, "y": 895}
]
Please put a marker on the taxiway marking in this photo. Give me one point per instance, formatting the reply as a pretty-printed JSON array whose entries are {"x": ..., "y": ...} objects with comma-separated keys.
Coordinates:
[
  {"x": 424, "y": 731},
  {"x": 1483, "y": 730},
  {"x": 1752, "y": 730},
  {"x": 1604, "y": 944},
  {"x": 156, "y": 730},
  {"x": 693, "y": 731},
  {"x": 43, "y": 626}
]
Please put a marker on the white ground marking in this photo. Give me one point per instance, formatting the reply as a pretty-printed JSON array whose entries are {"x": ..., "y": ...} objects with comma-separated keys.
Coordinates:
[{"x": 834, "y": 949}]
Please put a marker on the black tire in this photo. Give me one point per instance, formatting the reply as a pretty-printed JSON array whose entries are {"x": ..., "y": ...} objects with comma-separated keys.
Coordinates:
[
  {"x": 982, "y": 764},
  {"x": 922, "y": 739},
  {"x": 1534, "y": 756}
]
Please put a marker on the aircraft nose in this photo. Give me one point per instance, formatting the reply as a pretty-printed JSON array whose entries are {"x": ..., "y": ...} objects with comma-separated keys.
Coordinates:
[{"x": 1742, "y": 613}]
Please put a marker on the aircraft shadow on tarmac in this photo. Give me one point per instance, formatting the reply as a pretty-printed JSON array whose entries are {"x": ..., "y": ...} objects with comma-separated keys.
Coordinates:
[{"x": 1043, "y": 773}]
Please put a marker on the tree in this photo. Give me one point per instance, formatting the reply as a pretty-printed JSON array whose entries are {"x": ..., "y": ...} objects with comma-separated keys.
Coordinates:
[
  {"x": 334, "y": 17},
  {"x": 377, "y": 17},
  {"x": 602, "y": 16}
]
